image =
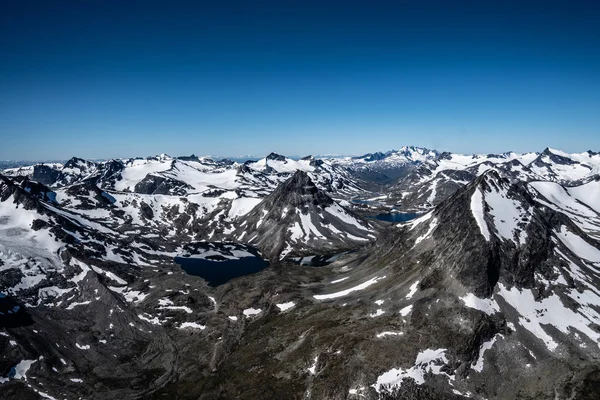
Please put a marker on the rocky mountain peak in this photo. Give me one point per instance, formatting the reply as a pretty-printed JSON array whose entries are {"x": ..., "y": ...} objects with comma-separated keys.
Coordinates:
[
  {"x": 76, "y": 162},
  {"x": 275, "y": 157},
  {"x": 299, "y": 189}
]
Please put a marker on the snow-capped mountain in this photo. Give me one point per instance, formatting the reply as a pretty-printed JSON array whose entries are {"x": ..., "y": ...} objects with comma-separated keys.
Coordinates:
[
  {"x": 491, "y": 292},
  {"x": 299, "y": 219},
  {"x": 434, "y": 180}
]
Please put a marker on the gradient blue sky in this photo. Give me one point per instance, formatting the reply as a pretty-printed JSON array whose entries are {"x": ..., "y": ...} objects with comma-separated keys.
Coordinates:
[{"x": 101, "y": 79}]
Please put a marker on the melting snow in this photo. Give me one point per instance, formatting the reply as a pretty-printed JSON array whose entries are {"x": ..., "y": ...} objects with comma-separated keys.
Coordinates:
[
  {"x": 21, "y": 369},
  {"x": 377, "y": 313},
  {"x": 413, "y": 290},
  {"x": 578, "y": 246},
  {"x": 406, "y": 310},
  {"x": 342, "y": 293},
  {"x": 477, "y": 210},
  {"x": 389, "y": 333},
  {"x": 428, "y": 361},
  {"x": 192, "y": 325},
  {"x": 313, "y": 368},
  {"x": 488, "y": 306},
  {"x": 248, "y": 312},
  {"x": 548, "y": 311},
  {"x": 286, "y": 306},
  {"x": 484, "y": 347},
  {"x": 339, "y": 280}
]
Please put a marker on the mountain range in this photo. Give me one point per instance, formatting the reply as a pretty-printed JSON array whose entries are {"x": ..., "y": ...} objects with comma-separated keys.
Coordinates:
[{"x": 490, "y": 288}]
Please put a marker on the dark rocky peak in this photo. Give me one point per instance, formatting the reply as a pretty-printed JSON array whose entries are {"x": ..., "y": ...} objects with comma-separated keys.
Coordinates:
[
  {"x": 414, "y": 149},
  {"x": 6, "y": 187},
  {"x": 132, "y": 160},
  {"x": 113, "y": 165},
  {"x": 308, "y": 158},
  {"x": 445, "y": 156},
  {"x": 36, "y": 189},
  {"x": 555, "y": 158},
  {"x": 153, "y": 184},
  {"x": 492, "y": 179},
  {"x": 21, "y": 197},
  {"x": 514, "y": 163},
  {"x": 245, "y": 169},
  {"x": 316, "y": 162},
  {"x": 45, "y": 174},
  {"x": 451, "y": 247},
  {"x": 492, "y": 155},
  {"x": 369, "y": 157},
  {"x": 193, "y": 157},
  {"x": 225, "y": 162},
  {"x": 458, "y": 175},
  {"x": 297, "y": 190},
  {"x": 90, "y": 196},
  {"x": 107, "y": 174},
  {"x": 78, "y": 163},
  {"x": 276, "y": 157}
]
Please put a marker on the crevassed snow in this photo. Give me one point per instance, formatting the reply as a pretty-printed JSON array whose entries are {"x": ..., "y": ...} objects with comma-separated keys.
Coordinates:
[
  {"x": 428, "y": 361},
  {"x": 342, "y": 293},
  {"x": 488, "y": 306},
  {"x": 477, "y": 210}
]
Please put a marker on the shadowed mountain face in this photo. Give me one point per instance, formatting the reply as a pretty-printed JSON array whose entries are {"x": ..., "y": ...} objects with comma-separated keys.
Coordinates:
[{"x": 492, "y": 292}]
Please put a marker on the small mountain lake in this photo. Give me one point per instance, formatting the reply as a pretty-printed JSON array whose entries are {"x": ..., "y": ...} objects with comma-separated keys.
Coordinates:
[
  {"x": 219, "y": 272},
  {"x": 395, "y": 216}
]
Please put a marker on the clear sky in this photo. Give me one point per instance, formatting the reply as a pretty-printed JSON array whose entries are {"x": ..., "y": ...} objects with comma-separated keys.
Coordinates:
[{"x": 101, "y": 79}]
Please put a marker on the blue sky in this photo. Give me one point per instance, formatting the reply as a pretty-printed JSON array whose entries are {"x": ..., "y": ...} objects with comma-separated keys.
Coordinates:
[{"x": 101, "y": 79}]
